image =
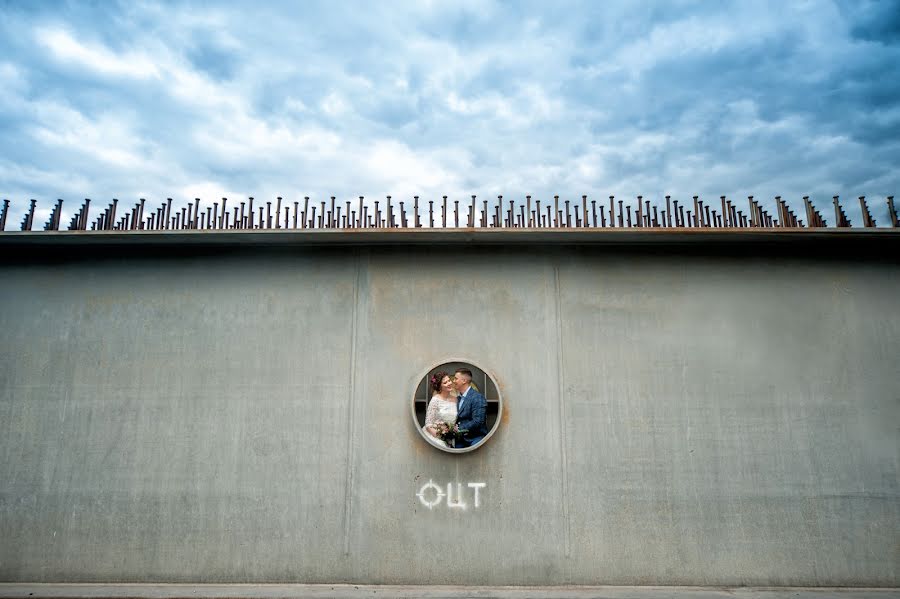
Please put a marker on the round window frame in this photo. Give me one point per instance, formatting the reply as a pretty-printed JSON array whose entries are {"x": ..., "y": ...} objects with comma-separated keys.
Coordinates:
[{"x": 419, "y": 428}]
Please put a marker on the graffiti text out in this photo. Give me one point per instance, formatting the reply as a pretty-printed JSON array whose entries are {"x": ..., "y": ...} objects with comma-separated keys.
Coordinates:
[{"x": 432, "y": 495}]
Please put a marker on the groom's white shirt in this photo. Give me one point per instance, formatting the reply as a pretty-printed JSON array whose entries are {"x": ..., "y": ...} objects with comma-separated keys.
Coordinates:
[{"x": 462, "y": 398}]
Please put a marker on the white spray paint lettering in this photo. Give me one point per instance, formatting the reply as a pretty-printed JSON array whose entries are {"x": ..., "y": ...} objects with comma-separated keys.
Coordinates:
[{"x": 431, "y": 495}]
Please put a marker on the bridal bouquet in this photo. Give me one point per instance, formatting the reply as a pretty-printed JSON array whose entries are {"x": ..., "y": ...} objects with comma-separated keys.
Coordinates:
[{"x": 448, "y": 433}]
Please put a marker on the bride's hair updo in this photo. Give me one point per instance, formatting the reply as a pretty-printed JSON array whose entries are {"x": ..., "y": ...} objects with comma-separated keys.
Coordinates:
[{"x": 435, "y": 380}]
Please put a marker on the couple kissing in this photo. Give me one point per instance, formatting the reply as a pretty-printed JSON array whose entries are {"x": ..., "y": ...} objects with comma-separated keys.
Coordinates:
[{"x": 456, "y": 413}]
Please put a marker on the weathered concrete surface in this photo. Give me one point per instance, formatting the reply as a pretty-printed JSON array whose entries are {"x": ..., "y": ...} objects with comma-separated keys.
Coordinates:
[
  {"x": 243, "y": 416},
  {"x": 345, "y": 591}
]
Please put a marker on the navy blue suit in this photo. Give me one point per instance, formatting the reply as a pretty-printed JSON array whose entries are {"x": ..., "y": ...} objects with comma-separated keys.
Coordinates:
[{"x": 471, "y": 417}]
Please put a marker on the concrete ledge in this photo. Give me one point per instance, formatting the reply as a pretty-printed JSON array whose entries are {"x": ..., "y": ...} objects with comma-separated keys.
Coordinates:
[
  {"x": 475, "y": 236},
  {"x": 277, "y": 591}
]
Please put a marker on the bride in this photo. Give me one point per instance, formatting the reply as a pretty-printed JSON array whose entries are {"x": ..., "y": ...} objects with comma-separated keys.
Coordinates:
[{"x": 441, "y": 408}]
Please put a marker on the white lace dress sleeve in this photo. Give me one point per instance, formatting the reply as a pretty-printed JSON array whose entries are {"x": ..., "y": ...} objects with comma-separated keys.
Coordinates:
[{"x": 432, "y": 415}]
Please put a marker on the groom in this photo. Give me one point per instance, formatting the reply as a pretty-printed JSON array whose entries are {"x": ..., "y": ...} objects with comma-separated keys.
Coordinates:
[{"x": 471, "y": 408}]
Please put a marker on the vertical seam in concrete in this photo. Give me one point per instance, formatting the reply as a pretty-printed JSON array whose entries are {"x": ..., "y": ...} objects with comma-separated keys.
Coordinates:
[
  {"x": 354, "y": 333},
  {"x": 562, "y": 411}
]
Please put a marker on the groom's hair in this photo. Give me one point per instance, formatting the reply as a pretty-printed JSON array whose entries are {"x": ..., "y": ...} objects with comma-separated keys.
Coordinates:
[{"x": 465, "y": 372}]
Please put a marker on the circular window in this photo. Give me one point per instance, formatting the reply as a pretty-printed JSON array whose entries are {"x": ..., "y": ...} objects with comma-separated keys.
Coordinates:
[{"x": 457, "y": 406}]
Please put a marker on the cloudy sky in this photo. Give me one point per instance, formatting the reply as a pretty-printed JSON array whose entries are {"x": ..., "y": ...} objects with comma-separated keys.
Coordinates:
[{"x": 211, "y": 100}]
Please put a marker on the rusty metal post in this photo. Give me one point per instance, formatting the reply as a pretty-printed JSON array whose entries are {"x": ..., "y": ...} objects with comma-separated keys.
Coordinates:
[
  {"x": 84, "y": 216},
  {"x": 668, "y": 219},
  {"x": 639, "y": 214},
  {"x": 568, "y": 216},
  {"x": 430, "y": 214},
  {"x": 866, "y": 215},
  {"x": 612, "y": 218},
  {"x": 416, "y": 222},
  {"x": 224, "y": 213},
  {"x": 444, "y": 214},
  {"x": 628, "y": 208},
  {"x": 594, "y": 212},
  {"x": 621, "y": 215},
  {"x": 891, "y": 212},
  {"x": 322, "y": 215},
  {"x": 556, "y": 222},
  {"x": 472, "y": 214},
  {"x": 359, "y": 224},
  {"x": 677, "y": 218},
  {"x": 402, "y": 215},
  {"x": 59, "y": 206},
  {"x": 112, "y": 213},
  {"x": 456, "y": 213},
  {"x": 484, "y": 214}
]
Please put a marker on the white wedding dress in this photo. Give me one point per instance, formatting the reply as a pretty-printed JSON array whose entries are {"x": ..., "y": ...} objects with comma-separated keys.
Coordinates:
[{"x": 439, "y": 410}]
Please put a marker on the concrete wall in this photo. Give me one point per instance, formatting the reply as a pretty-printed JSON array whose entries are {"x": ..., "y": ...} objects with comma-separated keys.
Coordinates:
[{"x": 243, "y": 416}]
